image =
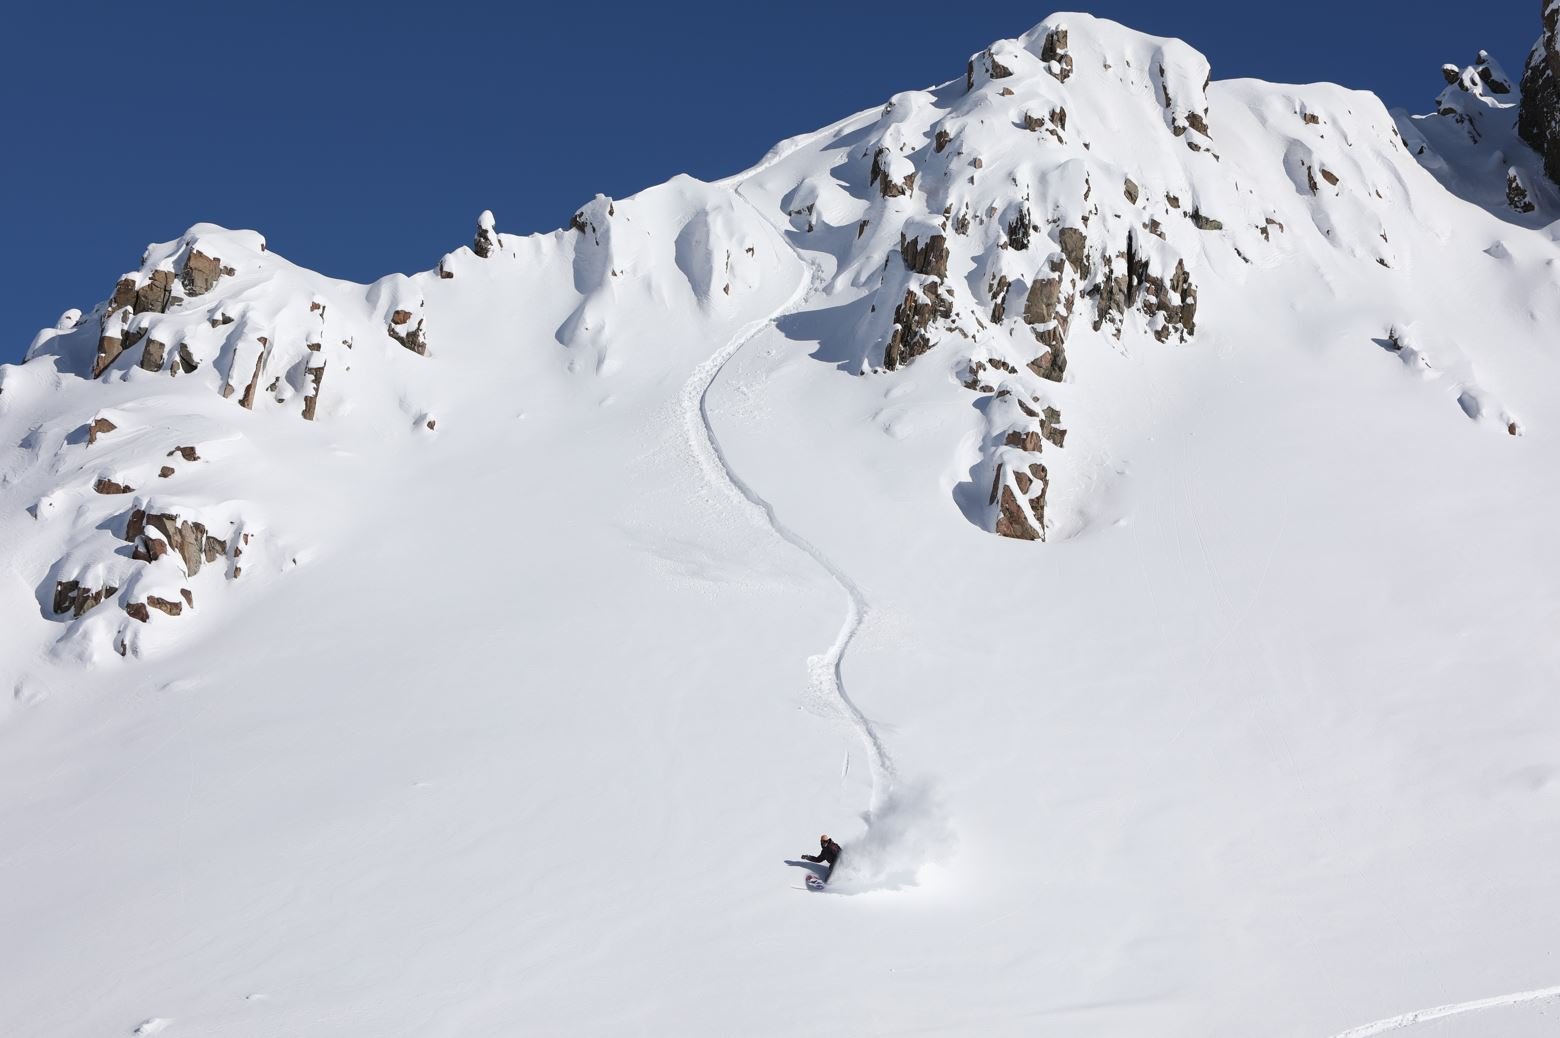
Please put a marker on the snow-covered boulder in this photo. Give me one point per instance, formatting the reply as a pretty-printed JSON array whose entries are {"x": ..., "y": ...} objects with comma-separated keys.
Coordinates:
[{"x": 487, "y": 239}]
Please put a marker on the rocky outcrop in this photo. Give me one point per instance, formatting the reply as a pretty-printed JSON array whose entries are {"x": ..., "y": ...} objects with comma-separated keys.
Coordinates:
[
  {"x": 407, "y": 334},
  {"x": 201, "y": 272},
  {"x": 982, "y": 67},
  {"x": 1517, "y": 196},
  {"x": 157, "y": 534},
  {"x": 71, "y": 598},
  {"x": 1053, "y": 52},
  {"x": 1538, "y": 118},
  {"x": 912, "y": 320},
  {"x": 487, "y": 240},
  {"x": 931, "y": 258},
  {"x": 892, "y": 174}
]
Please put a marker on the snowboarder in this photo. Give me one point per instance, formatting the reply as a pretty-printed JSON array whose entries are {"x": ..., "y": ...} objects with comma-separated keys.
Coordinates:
[{"x": 828, "y": 851}]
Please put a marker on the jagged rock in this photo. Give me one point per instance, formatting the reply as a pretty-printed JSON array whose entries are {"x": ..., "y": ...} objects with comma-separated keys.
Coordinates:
[
  {"x": 185, "y": 361},
  {"x": 984, "y": 60},
  {"x": 1074, "y": 243},
  {"x": 999, "y": 291},
  {"x": 1028, "y": 441},
  {"x": 138, "y": 611},
  {"x": 886, "y": 183},
  {"x": 163, "y": 605},
  {"x": 187, "y": 453},
  {"x": 1052, "y": 364},
  {"x": 1492, "y": 75},
  {"x": 587, "y": 216},
  {"x": 152, "y": 355},
  {"x": 1018, "y": 230},
  {"x": 912, "y": 317},
  {"x": 487, "y": 239},
  {"x": 1538, "y": 117},
  {"x": 1206, "y": 223},
  {"x": 189, "y": 540},
  {"x": 1043, "y": 304},
  {"x": 70, "y": 597},
  {"x": 1012, "y": 520},
  {"x": 314, "y": 375},
  {"x": 104, "y": 485},
  {"x": 1050, "y": 430},
  {"x": 165, "y": 472},
  {"x": 247, "y": 400},
  {"x": 1053, "y": 52},
  {"x": 1517, "y": 193},
  {"x": 410, "y": 337},
  {"x": 941, "y": 141},
  {"x": 1130, "y": 189},
  {"x": 201, "y": 272},
  {"x": 99, "y": 427},
  {"x": 931, "y": 259}
]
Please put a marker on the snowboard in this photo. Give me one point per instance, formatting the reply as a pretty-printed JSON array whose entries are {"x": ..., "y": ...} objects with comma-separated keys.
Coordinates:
[{"x": 815, "y": 882}]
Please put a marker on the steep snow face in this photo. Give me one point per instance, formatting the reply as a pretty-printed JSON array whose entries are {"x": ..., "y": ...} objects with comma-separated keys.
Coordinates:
[{"x": 435, "y": 655}]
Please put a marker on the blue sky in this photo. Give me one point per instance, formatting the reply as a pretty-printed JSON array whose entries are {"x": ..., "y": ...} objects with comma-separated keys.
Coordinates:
[{"x": 364, "y": 138}]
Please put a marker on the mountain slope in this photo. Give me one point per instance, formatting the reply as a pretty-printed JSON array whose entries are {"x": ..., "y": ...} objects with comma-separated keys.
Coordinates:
[{"x": 584, "y": 577}]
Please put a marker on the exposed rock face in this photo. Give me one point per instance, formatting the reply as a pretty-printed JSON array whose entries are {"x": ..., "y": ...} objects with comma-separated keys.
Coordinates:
[
  {"x": 201, "y": 272},
  {"x": 100, "y": 426},
  {"x": 407, "y": 334},
  {"x": 912, "y": 321},
  {"x": 932, "y": 258},
  {"x": 982, "y": 67},
  {"x": 155, "y": 535},
  {"x": 890, "y": 175},
  {"x": 1517, "y": 193},
  {"x": 1058, "y": 62},
  {"x": 70, "y": 597},
  {"x": 1538, "y": 119}
]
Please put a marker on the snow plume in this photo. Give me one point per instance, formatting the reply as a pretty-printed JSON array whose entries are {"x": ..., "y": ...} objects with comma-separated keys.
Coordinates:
[{"x": 907, "y": 829}]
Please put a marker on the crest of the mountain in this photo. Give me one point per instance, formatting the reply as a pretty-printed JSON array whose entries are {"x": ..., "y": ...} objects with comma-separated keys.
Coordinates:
[{"x": 1070, "y": 199}]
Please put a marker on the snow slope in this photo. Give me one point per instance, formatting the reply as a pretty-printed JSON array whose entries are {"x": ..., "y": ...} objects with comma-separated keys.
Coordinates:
[{"x": 506, "y": 628}]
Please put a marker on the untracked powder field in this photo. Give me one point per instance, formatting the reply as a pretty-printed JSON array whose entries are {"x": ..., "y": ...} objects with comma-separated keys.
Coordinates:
[{"x": 1116, "y": 505}]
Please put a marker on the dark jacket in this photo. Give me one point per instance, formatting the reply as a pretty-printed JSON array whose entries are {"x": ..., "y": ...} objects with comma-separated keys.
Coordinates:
[{"x": 828, "y": 851}]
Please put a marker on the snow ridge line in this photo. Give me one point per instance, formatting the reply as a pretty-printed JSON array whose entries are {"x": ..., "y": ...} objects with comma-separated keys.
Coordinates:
[
  {"x": 1420, "y": 1016},
  {"x": 824, "y": 668}
]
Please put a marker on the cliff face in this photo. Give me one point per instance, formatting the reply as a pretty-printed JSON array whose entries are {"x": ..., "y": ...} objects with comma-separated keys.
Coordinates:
[{"x": 1539, "y": 121}]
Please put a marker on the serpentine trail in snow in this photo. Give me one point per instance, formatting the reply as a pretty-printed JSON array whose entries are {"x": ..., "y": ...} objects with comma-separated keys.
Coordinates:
[{"x": 824, "y": 668}]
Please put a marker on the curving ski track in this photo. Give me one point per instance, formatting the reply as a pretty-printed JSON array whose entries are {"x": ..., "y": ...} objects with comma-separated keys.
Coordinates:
[
  {"x": 824, "y": 669},
  {"x": 1421, "y": 1016}
]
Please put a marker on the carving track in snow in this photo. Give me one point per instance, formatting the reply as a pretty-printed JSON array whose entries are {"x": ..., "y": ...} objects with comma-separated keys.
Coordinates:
[
  {"x": 824, "y": 669},
  {"x": 1421, "y": 1016}
]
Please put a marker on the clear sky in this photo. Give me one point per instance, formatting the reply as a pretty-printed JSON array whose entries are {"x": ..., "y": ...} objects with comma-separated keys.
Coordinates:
[{"x": 364, "y": 138}]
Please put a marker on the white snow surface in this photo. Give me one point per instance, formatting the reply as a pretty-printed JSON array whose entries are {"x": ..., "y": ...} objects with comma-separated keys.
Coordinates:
[{"x": 527, "y": 663}]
